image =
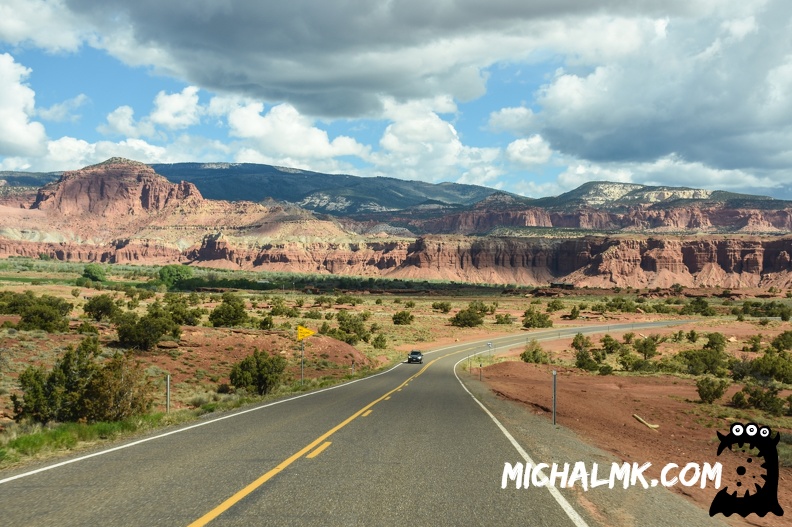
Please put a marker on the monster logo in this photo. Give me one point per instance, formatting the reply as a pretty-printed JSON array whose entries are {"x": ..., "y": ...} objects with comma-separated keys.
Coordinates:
[{"x": 744, "y": 499}]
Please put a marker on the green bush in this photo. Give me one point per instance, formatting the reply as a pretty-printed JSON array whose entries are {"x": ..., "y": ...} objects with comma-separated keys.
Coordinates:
[
  {"x": 87, "y": 328},
  {"x": 583, "y": 360},
  {"x": 443, "y": 307},
  {"x": 503, "y": 319},
  {"x": 101, "y": 307},
  {"x": 704, "y": 361},
  {"x": 94, "y": 272},
  {"x": 710, "y": 389},
  {"x": 554, "y": 305},
  {"x": 402, "y": 318},
  {"x": 765, "y": 399},
  {"x": 171, "y": 275},
  {"x": 379, "y": 342},
  {"x": 231, "y": 312},
  {"x": 266, "y": 322},
  {"x": 468, "y": 318},
  {"x": 78, "y": 388},
  {"x": 605, "y": 369},
  {"x": 535, "y": 319},
  {"x": 143, "y": 333},
  {"x": 260, "y": 372},
  {"x": 534, "y": 353}
]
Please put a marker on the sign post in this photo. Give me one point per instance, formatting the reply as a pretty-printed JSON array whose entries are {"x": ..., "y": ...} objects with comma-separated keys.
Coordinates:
[
  {"x": 554, "y": 397},
  {"x": 303, "y": 333}
]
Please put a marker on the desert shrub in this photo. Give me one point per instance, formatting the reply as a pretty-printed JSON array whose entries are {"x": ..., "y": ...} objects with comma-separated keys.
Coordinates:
[
  {"x": 409, "y": 304},
  {"x": 536, "y": 319},
  {"x": 443, "y": 307},
  {"x": 471, "y": 316},
  {"x": 628, "y": 337},
  {"x": 231, "y": 312},
  {"x": 266, "y": 322},
  {"x": 627, "y": 359},
  {"x": 716, "y": 342},
  {"x": 554, "y": 305},
  {"x": 692, "y": 336},
  {"x": 503, "y": 319},
  {"x": 646, "y": 347},
  {"x": 83, "y": 282},
  {"x": 313, "y": 314},
  {"x": 353, "y": 325},
  {"x": 178, "y": 306},
  {"x": 259, "y": 372},
  {"x": 754, "y": 343},
  {"x": 710, "y": 389},
  {"x": 79, "y": 388},
  {"x": 740, "y": 400},
  {"x": 44, "y": 317},
  {"x": 379, "y": 342},
  {"x": 119, "y": 390},
  {"x": 87, "y": 328},
  {"x": 582, "y": 342},
  {"x": 143, "y": 333},
  {"x": 605, "y": 369},
  {"x": 171, "y": 275},
  {"x": 698, "y": 306},
  {"x": 765, "y": 399},
  {"x": 610, "y": 344},
  {"x": 583, "y": 360},
  {"x": 574, "y": 313},
  {"x": 704, "y": 361},
  {"x": 402, "y": 318},
  {"x": 783, "y": 341},
  {"x": 773, "y": 365},
  {"x": 347, "y": 299},
  {"x": 94, "y": 272},
  {"x": 534, "y": 353},
  {"x": 101, "y": 307}
]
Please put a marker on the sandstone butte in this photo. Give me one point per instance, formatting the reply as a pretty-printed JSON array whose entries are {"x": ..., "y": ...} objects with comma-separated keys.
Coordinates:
[{"x": 121, "y": 211}]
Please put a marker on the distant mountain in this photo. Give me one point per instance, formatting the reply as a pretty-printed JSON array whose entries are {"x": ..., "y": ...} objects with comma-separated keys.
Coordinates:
[
  {"x": 607, "y": 195},
  {"x": 327, "y": 193},
  {"x": 599, "y": 234}
]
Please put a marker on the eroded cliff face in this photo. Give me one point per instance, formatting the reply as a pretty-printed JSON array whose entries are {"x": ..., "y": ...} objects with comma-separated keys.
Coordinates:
[
  {"x": 123, "y": 212},
  {"x": 113, "y": 189},
  {"x": 636, "y": 219},
  {"x": 596, "y": 261}
]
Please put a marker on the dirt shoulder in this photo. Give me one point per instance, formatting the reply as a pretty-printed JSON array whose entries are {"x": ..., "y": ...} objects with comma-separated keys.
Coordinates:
[{"x": 600, "y": 410}]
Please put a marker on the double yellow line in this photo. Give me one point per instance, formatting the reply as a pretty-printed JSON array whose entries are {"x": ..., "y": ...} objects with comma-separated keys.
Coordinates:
[{"x": 238, "y": 496}]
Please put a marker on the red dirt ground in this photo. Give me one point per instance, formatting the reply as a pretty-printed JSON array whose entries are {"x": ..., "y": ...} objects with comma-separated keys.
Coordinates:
[{"x": 601, "y": 408}]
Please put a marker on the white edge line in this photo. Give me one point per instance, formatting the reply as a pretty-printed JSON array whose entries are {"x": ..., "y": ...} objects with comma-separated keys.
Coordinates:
[
  {"x": 204, "y": 423},
  {"x": 235, "y": 414},
  {"x": 568, "y": 509}
]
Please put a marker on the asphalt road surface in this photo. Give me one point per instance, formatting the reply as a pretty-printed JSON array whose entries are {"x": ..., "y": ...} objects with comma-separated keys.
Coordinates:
[{"x": 410, "y": 446}]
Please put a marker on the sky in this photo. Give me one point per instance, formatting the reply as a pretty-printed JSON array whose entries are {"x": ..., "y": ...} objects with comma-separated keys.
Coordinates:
[{"x": 534, "y": 98}]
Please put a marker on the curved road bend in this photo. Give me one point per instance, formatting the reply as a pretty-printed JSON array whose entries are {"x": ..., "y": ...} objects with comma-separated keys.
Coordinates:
[{"x": 408, "y": 446}]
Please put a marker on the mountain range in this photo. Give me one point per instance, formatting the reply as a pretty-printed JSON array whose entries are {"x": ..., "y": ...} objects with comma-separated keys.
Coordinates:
[{"x": 251, "y": 216}]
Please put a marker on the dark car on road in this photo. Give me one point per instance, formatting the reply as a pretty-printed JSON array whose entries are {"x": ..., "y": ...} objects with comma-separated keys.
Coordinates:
[{"x": 415, "y": 356}]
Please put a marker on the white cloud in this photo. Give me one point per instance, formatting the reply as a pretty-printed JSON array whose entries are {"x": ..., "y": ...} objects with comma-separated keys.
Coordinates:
[
  {"x": 529, "y": 152},
  {"x": 121, "y": 121},
  {"x": 69, "y": 153},
  {"x": 519, "y": 120},
  {"x": 64, "y": 111},
  {"x": 284, "y": 133},
  {"x": 419, "y": 144},
  {"x": 177, "y": 110},
  {"x": 48, "y": 24},
  {"x": 18, "y": 134}
]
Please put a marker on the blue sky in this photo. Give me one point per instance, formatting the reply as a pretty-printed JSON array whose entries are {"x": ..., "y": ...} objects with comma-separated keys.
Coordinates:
[{"x": 531, "y": 97}]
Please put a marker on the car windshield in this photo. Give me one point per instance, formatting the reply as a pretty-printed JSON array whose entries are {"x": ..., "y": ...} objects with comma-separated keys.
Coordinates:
[{"x": 415, "y": 353}]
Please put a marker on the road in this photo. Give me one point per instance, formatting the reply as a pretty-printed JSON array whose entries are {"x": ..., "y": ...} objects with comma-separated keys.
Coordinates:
[{"x": 409, "y": 446}]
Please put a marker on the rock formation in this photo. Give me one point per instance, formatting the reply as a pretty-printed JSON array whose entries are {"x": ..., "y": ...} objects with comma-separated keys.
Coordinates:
[{"x": 122, "y": 211}]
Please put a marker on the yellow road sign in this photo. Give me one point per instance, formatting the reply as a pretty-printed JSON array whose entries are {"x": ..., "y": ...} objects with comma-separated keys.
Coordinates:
[{"x": 303, "y": 332}]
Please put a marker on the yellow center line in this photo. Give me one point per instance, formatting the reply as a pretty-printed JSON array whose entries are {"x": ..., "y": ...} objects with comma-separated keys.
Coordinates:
[
  {"x": 386, "y": 399},
  {"x": 367, "y": 413},
  {"x": 319, "y": 450},
  {"x": 238, "y": 496}
]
